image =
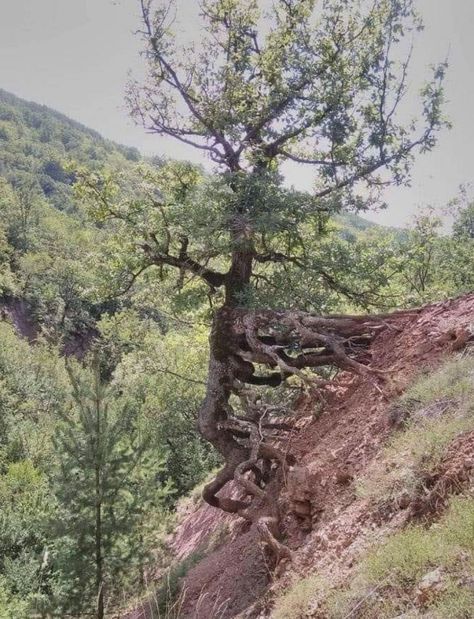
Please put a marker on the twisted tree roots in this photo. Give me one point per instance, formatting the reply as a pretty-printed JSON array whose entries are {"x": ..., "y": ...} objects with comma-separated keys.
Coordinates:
[{"x": 288, "y": 343}]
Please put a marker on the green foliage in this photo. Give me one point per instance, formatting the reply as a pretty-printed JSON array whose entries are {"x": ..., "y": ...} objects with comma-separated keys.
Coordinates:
[
  {"x": 26, "y": 508},
  {"x": 114, "y": 441},
  {"x": 36, "y": 141},
  {"x": 456, "y": 602},
  {"x": 167, "y": 384},
  {"x": 404, "y": 558},
  {"x": 108, "y": 494},
  {"x": 12, "y": 607},
  {"x": 32, "y": 388}
]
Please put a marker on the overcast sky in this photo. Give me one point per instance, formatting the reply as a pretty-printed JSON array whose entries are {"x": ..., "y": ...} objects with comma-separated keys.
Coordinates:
[{"x": 75, "y": 55}]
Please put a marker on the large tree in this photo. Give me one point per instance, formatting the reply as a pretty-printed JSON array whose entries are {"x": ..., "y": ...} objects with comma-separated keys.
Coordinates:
[{"x": 322, "y": 84}]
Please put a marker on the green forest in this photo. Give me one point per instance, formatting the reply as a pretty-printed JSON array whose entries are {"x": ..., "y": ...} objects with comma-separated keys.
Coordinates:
[{"x": 154, "y": 311}]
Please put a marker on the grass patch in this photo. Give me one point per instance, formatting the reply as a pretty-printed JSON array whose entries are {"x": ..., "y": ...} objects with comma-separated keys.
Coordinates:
[
  {"x": 457, "y": 527},
  {"x": 453, "y": 380},
  {"x": 456, "y": 602},
  {"x": 404, "y": 558},
  {"x": 444, "y": 409},
  {"x": 295, "y": 601},
  {"x": 387, "y": 577},
  {"x": 166, "y": 596}
]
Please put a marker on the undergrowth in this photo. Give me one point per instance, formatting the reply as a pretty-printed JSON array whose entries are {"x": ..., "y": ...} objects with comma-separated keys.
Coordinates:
[
  {"x": 166, "y": 597},
  {"x": 296, "y": 600},
  {"x": 387, "y": 578}
]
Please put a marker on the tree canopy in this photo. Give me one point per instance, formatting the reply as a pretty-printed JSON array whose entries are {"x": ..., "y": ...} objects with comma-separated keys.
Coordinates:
[{"x": 321, "y": 84}]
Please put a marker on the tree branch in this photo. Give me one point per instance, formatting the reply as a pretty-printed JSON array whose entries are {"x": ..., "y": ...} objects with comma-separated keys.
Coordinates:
[{"x": 211, "y": 277}]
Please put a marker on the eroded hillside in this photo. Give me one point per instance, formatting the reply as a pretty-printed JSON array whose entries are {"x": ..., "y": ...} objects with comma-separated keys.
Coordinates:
[{"x": 349, "y": 492}]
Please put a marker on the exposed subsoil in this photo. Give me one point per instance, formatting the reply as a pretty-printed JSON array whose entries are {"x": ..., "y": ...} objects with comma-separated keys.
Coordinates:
[{"x": 335, "y": 445}]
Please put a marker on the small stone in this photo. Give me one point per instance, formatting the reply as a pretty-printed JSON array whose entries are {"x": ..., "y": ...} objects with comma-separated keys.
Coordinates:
[
  {"x": 343, "y": 478},
  {"x": 429, "y": 586}
]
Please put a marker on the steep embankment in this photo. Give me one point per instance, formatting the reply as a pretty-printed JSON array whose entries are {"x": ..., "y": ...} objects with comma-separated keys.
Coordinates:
[{"x": 336, "y": 445}]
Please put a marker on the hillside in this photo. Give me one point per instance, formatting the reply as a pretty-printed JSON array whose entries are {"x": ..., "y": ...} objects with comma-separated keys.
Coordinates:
[
  {"x": 378, "y": 457},
  {"x": 46, "y": 239},
  {"x": 224, "y": 393},
  {"x": 36, "y": 141},
  {"x": 104, "y": 352}
]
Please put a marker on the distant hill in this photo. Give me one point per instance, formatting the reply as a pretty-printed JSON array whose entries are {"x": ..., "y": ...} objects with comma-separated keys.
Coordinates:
[{"x": 36, "y": 140}]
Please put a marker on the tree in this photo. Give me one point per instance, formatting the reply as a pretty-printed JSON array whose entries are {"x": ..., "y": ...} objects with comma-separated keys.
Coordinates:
[
  {"x": 320, "y": 84},
  {"x": 463, "y": 225},
  {"x": 106, "y": 487}
]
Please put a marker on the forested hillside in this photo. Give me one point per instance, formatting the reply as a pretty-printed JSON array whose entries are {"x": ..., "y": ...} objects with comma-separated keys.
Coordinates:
[
  {"x": 69, "y": 284},
  {"x": 56, "y": 418},
  {"x": 36, "y": 141},
  {"x": 122, "y": 276}
]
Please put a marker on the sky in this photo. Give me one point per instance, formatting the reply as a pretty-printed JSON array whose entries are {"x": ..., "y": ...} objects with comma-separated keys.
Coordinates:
[{"x": 76, "y": 55}]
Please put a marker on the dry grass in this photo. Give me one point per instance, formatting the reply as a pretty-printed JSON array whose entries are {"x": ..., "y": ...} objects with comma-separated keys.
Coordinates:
[
  {"x": 294, "y": 602},
  {"x": 444, "y": 410}
]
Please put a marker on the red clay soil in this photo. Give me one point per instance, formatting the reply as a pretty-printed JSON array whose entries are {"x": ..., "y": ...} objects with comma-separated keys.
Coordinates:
[{"x": 335, "y": 445}]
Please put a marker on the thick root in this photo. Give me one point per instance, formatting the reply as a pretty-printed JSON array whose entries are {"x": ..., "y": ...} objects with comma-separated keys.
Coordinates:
[{"x": 288, "y": 343}]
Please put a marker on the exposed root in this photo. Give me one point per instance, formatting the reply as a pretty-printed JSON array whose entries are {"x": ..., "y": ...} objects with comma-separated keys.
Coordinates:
[
  {"x": 267, "y": 528},
  {"x": 291, "y": 343}
]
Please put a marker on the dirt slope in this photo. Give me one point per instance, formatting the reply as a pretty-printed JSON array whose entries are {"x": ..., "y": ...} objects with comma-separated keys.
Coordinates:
[{"x": 335, "y": 445}]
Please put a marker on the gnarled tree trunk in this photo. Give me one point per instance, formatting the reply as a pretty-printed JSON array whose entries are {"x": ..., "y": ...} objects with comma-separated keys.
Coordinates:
[{"x": 284, "y": 343}]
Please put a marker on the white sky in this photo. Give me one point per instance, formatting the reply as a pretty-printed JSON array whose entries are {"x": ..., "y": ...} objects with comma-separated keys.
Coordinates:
[{"x": 75, "y": 55}]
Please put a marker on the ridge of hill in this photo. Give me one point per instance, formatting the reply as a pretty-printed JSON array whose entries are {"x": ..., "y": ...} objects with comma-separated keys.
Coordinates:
[{"x": 35, "y": 140}]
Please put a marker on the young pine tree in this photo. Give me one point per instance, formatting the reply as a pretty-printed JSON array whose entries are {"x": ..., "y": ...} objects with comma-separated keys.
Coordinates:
[{"x": 106, "y": 488}]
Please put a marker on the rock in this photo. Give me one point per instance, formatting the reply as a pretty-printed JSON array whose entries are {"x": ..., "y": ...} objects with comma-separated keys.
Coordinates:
[
  {"x": 429, "y": 586},
  {"x": 404, "y": 500},
  {"x": 299, "y": 482}
]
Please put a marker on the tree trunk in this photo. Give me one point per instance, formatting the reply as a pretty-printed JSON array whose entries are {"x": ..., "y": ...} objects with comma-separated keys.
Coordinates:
[
  {"x": 99, "y": 576},
  {"x": 288, "y": 342},
  {"x": 98, "y": 552}
]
